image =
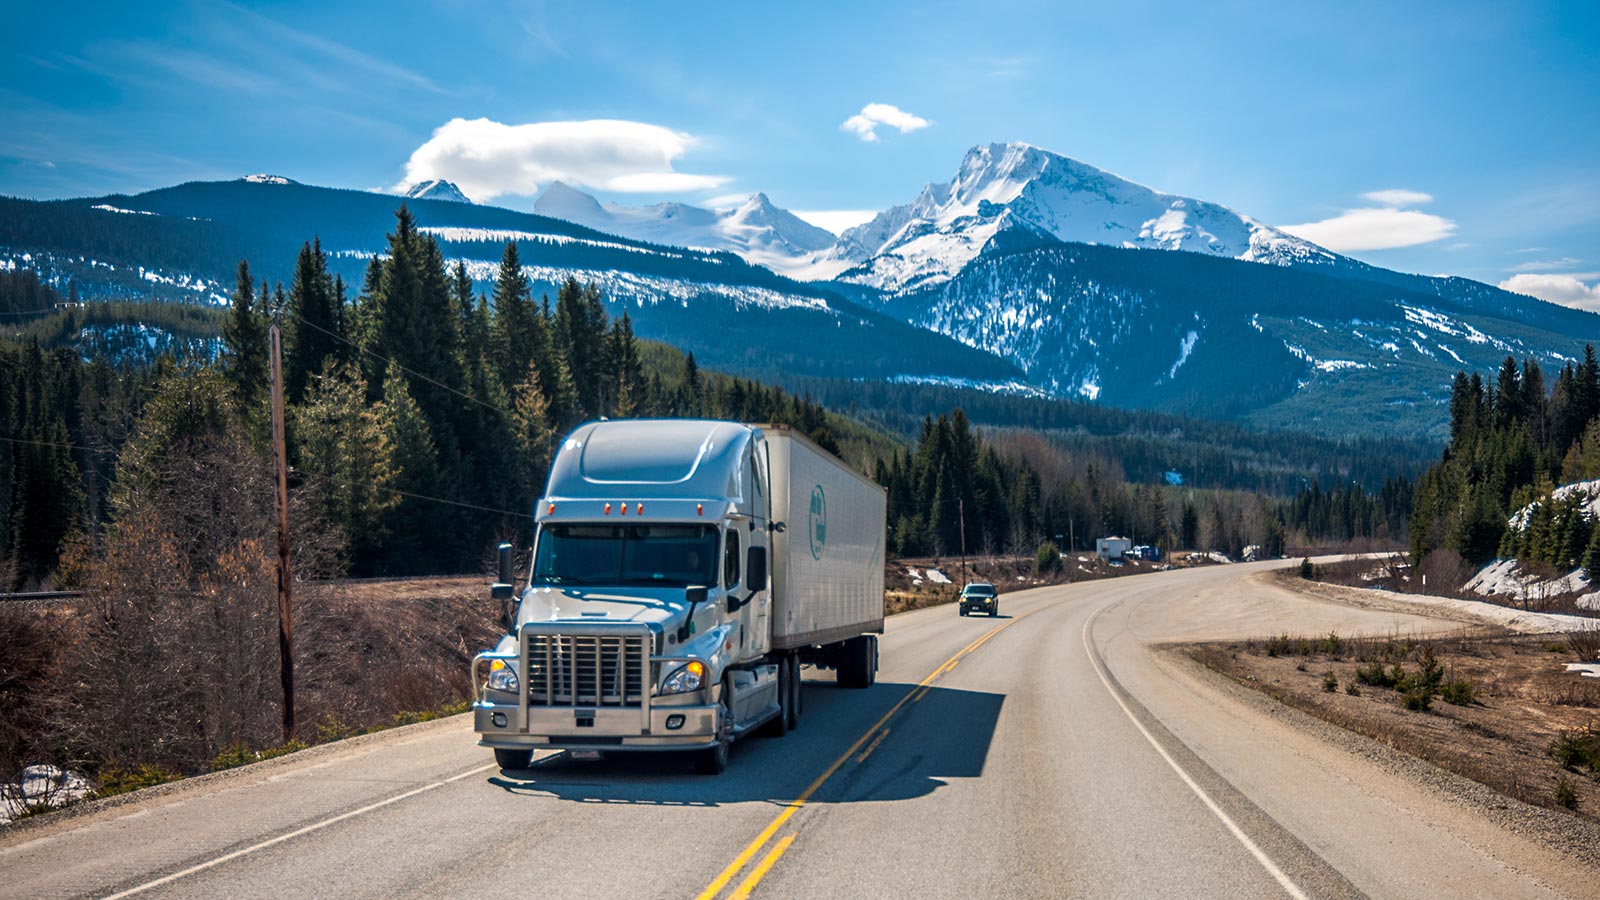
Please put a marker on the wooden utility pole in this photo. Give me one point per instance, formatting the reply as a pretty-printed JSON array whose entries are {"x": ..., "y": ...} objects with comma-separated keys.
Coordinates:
[
  {"x": 285, "y": 579},
  {"x": 961, "y": 508}
]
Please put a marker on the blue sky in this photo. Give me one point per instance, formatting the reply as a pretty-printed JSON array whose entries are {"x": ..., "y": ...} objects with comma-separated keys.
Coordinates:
[{"x": 1479, "y": 122}]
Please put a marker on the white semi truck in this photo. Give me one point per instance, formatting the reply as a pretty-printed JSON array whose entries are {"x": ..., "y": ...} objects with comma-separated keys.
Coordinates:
[{"x": 683, "y": 572}]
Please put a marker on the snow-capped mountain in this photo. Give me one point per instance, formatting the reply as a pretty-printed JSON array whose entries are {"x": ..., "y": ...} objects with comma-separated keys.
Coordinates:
[
  {"x": 264, "y": 178},
  {"x": 437, "y": 190},
  {"x": 1035, "y": 194},
  {"x": 757, "y": 230}
]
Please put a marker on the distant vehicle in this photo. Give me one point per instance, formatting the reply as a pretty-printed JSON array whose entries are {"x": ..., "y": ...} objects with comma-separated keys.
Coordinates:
[
  {"x": 649, "y": 621},
  {"x": 981, "y": 597}
]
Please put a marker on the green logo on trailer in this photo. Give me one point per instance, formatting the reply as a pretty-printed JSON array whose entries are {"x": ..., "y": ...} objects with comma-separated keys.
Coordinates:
[{"x": 818, "y": 524}]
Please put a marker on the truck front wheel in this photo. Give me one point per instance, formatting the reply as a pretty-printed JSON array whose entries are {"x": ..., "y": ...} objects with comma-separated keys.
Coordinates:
[
  {"x": 514, "y": 760},
  {"x": 714, "y": 760},
  {"x": 778, "y": 725}
]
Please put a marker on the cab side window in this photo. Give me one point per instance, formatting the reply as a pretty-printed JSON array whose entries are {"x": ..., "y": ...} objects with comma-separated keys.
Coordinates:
[{"x": 730, "y": 560}]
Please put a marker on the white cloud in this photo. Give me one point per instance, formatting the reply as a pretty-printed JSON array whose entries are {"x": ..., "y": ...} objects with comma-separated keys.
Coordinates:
[
  {"x": 1398, "y": 197},
  {"x": 487, "y": 159},
  {"x": 865, "y": 123},
  {"x": 725, "y": 201},
  {"x": 1375, "y": 229},
  {"x": 1566, "y": 290},
  {"x": 1545, "y": 265},
  {"x": 835, "y": 220}
]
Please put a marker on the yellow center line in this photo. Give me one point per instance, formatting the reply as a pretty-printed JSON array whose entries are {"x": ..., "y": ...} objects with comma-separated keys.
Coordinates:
[
  {"x": 760, "y": 871},
  {"x": 793, "y": 806},
  {"x": 872, "y": 746}
]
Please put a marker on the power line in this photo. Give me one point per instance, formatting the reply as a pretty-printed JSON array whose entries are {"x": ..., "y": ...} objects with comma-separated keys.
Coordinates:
[
  {"x": 387, "y": 361},
  {"x": 411, "y": 494}
]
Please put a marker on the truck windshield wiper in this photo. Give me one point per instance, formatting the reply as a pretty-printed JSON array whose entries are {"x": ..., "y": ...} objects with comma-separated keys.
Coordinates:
[{"x": 562, "y": 579}]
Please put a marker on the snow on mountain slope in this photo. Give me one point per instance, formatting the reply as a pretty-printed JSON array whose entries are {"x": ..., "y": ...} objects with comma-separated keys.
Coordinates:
[
  {"x": 437, "y": 190},
  {"x": 1017, "y": 186},
  {"x": 757, "y": 230}
]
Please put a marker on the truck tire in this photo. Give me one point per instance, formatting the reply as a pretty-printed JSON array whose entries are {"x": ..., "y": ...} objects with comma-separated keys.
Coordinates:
[
  {"x": 778, "y": 725},
  {"x": 963, "y": 610},
  {"x": 513, "y": 760},
  {"x": 714, "y": 760},
  {"x": 794, "y": 692},
  {"x": 855, "y": 662}
]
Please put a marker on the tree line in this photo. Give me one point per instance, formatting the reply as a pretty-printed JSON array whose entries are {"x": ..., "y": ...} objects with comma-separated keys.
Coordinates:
[
  {"x": 421, "y": 415},
  {"x": 1512, "y": 440}
]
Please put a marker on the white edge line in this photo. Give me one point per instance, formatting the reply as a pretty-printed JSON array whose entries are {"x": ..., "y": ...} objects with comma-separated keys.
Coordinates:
[
  {"x": 315, "y": 826},
  {"x": 1261, "y": 857}
]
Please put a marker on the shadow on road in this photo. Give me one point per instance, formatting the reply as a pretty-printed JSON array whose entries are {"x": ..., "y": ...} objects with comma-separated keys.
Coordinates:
[{"x": 940, "y": 735}]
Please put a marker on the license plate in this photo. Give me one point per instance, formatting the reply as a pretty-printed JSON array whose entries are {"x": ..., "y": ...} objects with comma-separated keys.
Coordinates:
[{"x": 583, "y": 754}]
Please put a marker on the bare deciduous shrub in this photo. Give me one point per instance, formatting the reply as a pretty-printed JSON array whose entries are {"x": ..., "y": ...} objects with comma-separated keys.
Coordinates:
[
  {"x": 179, "y": 657},
  {"x": 1443, "y": 572},
  {"x": 1585, "y": 644},
  {"x": 34, "y": 646}
]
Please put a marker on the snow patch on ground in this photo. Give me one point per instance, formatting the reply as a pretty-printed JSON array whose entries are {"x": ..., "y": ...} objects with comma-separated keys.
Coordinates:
[
  {"x": 1588, "y": 490},
  {"x": 992, "y": 387},
  {"x": 937, "y": 577},
  {"x": 1505, "y": 577},
  {"x": 1185, "y": 347},
  {"x": 36, "y": 785}
]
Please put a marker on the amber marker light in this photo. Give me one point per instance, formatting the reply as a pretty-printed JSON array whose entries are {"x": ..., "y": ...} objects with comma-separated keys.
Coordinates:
[{"x": 608, "y": 509}]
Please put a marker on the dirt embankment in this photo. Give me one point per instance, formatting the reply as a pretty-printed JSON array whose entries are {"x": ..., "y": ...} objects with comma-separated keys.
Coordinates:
[{"x": 1496, "y": 707}]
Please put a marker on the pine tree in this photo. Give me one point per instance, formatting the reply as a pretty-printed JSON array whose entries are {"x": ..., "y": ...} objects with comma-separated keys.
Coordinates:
[
  {"x": 411, "y": 523},
  {"x": 346, "y": 446},
  {"x": 520, "y": 334},
  {"x": 311, "y": 323},
  {"x": 244, "y": 344}
]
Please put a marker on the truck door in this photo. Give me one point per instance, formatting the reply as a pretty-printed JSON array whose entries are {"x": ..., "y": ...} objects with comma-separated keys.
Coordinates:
[{"x": 755, "y": 617}]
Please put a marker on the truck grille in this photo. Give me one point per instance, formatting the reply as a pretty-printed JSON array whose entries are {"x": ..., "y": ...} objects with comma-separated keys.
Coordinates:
[{"x": 586, "y": 669}]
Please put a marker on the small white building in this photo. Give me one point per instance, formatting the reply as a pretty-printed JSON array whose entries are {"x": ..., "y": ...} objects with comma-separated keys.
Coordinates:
[{"x": 1112, "y": 547}]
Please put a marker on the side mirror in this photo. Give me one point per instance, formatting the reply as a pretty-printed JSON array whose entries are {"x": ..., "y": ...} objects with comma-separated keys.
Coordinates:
[
  {"x": 694, "y": 596},
  {"x": 507, "y": 568},
  {"x": 504, "y": 589},
  {"x": 755, "y": 569}
]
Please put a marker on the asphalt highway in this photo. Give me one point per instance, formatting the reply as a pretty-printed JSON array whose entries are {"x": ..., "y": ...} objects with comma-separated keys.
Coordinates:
[{"x": 1056, "y": 751}]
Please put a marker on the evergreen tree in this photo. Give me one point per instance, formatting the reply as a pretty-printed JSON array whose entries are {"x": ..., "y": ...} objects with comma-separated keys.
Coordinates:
[
  {"x": 311, "y": 325},
  {"x": 411, "y": 523},
  {"x": 244, "y": 344},
  {"x": 347, "y": 447}
]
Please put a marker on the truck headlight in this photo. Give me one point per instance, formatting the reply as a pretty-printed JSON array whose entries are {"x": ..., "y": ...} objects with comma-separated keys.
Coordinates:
[
  {"x": 503, "y": 677},
  {"x": 690, "y": 677}
]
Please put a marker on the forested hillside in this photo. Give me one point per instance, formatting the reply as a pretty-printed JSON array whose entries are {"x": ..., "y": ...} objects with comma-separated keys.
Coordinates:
[
  {"x": 422, "y": 416},
  {"x": 1512, "y": 441}
]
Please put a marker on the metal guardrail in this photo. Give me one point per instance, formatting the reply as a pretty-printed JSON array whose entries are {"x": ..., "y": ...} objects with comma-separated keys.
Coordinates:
[{"x": 35, "y": 596}]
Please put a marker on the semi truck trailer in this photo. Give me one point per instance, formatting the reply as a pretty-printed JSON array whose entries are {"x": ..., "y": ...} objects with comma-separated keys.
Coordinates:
[{"x": 683, "y": 572}]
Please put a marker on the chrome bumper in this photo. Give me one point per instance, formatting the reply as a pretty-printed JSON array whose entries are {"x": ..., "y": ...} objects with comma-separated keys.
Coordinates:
[{"x": 604, "y": 729}]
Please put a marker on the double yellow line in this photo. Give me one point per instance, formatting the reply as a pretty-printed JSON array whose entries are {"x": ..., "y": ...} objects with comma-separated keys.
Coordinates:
[{"x": 793, "y": 806}]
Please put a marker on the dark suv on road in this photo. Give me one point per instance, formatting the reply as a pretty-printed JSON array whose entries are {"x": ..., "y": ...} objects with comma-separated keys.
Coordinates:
[{"x": 980, "y": 597}]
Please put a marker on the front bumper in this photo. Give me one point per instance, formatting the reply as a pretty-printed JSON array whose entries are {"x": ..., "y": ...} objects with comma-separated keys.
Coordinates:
[{"x": 570, "y": 728}]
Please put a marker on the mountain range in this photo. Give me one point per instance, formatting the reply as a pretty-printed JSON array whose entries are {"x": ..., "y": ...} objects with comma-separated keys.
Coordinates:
[{"x": 1027, "y": 271}]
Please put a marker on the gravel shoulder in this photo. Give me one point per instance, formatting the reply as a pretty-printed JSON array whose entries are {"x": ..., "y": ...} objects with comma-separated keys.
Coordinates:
[{"x": 1491, "y": 750}]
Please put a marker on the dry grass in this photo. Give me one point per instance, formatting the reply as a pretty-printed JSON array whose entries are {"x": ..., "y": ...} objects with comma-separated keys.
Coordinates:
[{"x": 1499, "y": 710}]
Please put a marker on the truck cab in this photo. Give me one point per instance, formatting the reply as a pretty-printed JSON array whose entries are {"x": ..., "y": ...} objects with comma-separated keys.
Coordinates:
[{"x": 646, "y": 620}]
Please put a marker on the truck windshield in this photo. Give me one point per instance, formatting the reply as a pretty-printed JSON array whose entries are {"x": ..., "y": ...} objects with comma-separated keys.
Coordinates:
[{"x": 666, "y": 555}]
